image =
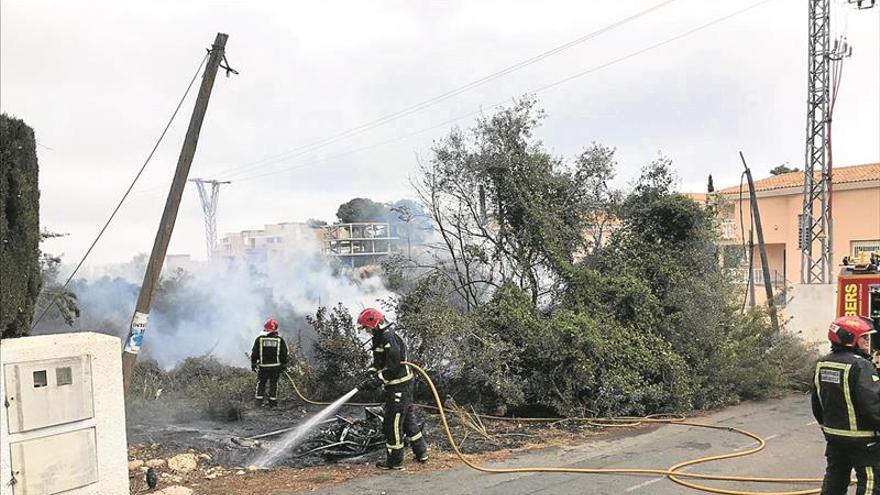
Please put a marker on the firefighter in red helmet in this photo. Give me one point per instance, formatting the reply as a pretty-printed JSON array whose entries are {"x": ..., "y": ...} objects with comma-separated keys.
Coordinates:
[
  {"x": 400, "y": 421},
  {"x": 846, "y": 403},
  {"x": 268, "y": 359}
]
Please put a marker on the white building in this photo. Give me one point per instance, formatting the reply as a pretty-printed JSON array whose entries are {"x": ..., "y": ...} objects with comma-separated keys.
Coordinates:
[
  {"x": 353, "y": 244},
  {"x": 269, "y": 245}
]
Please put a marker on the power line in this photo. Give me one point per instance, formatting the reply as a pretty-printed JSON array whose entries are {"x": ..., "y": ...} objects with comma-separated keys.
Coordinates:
[
  {"x": 125, "y": 195},
  {"x": 439, "y": 98},
  {"x": 655, "y": 45},
  {"x": 536, "y": 90}
]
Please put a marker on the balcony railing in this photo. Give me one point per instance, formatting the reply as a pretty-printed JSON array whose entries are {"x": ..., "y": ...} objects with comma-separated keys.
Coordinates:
[{"x": 728, "y": 230}]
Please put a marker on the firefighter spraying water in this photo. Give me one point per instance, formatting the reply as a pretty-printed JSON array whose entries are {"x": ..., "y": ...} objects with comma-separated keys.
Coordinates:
[{"x": 390, "y": 370}]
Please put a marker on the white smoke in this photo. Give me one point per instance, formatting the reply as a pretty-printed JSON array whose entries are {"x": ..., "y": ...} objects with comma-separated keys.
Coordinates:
[{"x": 219, "y": 307}]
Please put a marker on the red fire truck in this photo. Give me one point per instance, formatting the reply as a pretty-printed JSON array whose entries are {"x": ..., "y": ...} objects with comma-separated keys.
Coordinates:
[{"x": 858, "y": 291}]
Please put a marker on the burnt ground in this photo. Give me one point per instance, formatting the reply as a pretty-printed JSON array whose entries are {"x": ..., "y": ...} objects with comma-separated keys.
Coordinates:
[{"x": 224, "y": 454}]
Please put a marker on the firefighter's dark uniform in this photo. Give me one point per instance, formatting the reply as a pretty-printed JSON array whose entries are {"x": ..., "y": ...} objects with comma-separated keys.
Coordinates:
[
  {"x": 400, "y": 421},
  {"x": 268, "y": 358},
  {"x": 846, "y": 403}
]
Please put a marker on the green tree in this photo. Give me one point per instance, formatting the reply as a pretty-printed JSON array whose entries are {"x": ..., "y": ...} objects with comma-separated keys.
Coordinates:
[
  {"x": 595, "y": 169},
  {"x": 525, "y": 308},
  {"x": 362, "y": 210},
  {"x": 661, "y": 277},
  {"x": 505, "y": 209},
  {"x": 55, "y": 299},
  {"x": 19, "y": 227}
]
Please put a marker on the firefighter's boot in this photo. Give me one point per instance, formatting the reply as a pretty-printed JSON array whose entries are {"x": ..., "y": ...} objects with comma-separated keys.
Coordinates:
[
  {"x": 419, "y": 448},
  {"x": 393, "y": 459}
]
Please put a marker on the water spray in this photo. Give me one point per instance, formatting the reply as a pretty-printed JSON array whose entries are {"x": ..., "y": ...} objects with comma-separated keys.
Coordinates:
[{"x": 295, "y": 437}]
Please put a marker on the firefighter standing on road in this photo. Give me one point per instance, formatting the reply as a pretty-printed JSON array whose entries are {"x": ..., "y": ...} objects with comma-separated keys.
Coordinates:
[
  {"x": 846, "y": 403},
  {"x": 268, "y": 359},
  {"x": 400, "y": 421}
]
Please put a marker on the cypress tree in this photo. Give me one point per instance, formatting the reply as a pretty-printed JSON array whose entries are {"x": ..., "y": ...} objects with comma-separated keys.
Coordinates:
[{"x": 19, "y": 227}]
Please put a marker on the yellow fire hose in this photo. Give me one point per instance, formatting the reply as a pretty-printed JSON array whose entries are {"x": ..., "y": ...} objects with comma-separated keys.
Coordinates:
[{"x": 674, "y": 473}]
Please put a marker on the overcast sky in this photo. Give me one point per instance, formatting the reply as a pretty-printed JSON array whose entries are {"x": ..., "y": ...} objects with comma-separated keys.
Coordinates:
[{"x": 97, "y": 81}]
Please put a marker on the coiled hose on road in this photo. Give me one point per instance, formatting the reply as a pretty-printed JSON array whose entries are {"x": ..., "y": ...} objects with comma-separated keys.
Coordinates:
[{"x": 674, "y": 473}]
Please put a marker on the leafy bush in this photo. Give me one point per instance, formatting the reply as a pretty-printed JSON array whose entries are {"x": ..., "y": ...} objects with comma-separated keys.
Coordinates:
[
  {"x": 196, "y": 388},
  {"x": 340, "y": 355},
  {"x": 572, "y": 364}
]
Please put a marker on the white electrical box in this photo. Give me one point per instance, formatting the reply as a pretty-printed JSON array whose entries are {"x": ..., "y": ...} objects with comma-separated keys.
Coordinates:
[
  {"x": 63, "y": 428},
  {"x": 48, "y": 392},
  {"x": 55, "y": 464}
]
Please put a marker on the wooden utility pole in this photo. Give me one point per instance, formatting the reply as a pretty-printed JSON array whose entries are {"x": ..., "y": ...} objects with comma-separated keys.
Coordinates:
[
  {"x": 765, "y": 267},
  {"x": 169, "y": 216},
  {"x": 752, "y": 268}
]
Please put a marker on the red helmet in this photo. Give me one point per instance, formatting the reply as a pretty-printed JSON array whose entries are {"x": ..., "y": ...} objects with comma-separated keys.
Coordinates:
[
  {"x": 270, "y": 325},
  {"x": 370, "y": 318},
  {"x": 847, "y": 330}
]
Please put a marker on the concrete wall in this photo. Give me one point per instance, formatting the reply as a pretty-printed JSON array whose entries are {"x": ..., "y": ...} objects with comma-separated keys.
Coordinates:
[
  {"x": 811, "y": 309},
  {"x": 856, "y": 214},
  {"x": 64, "y": 428}
]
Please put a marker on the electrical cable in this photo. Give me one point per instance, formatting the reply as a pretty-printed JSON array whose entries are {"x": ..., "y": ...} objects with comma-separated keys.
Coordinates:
[
  {"x": 125, "y": 195},
  {"x": 836, "y": 76},
  {"x": 674, "y": 473},
  {"x": 442, "y": 97}
]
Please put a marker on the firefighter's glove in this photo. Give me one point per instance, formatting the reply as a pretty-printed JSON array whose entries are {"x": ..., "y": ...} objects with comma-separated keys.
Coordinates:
[{"x": 371, "y": 383}]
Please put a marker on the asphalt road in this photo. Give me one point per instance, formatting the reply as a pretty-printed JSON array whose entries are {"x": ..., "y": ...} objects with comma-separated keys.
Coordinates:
[{"x": 794, "y": 449}]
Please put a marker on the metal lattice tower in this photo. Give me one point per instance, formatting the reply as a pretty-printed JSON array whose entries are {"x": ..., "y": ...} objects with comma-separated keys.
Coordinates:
[
  {"x": 815, "y": 234},
  {"x": 209, "y": 201},
  {"x": 814, "y": 217}
]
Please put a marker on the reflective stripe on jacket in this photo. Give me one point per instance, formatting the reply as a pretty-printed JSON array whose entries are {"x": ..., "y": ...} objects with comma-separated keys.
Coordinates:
[
  {"x": 269, "y": 351},
  {"x": 846, "y": 396},
  {"x": 389, "y": 352}
]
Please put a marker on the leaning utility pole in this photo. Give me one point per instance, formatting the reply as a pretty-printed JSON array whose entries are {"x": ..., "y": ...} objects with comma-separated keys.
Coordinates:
[
  {"x": 765, "y": 265},
  {"x": 169, "y": 216},
  {"x": 209, "y": 200}
]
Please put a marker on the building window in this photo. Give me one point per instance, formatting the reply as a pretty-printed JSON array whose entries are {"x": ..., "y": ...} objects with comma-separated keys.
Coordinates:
[
  {"x": 63, "y": 376},
  {"x": 40, "y": 379},
  {"x": 864, "y": 246}
]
